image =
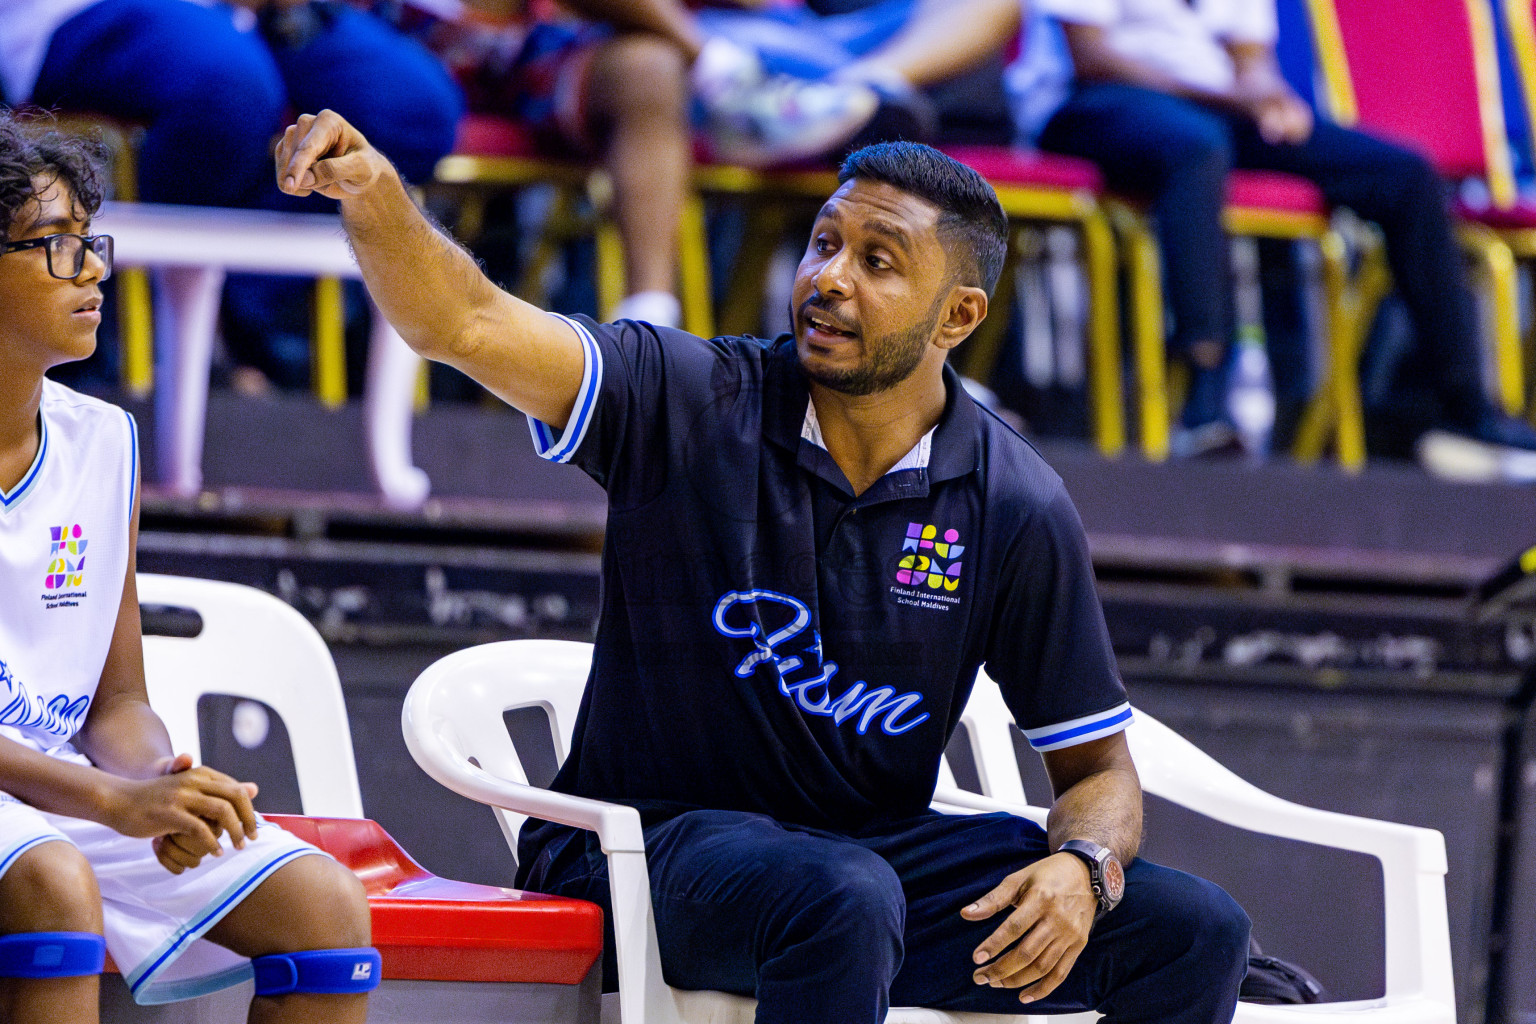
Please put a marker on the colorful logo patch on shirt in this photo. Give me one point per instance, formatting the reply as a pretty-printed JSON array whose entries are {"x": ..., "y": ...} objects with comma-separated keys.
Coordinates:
[
  {"x": 66, "y": 558},
  {"x": 934, "y": 559}
]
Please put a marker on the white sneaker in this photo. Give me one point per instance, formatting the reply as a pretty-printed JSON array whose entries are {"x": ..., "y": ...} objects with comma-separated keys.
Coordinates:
[
  {"x": 761, "y": 120},
  {"x": 1467, "y": 460}
]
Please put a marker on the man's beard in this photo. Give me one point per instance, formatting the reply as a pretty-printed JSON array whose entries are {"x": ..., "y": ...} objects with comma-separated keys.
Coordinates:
[{"x": 890, "y": 361}]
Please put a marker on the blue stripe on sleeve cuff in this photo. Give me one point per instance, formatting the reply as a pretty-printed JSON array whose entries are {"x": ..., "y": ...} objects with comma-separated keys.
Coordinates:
[
  {"x": 560, "y": 447},
  {"x": 1080, "y": 730}
]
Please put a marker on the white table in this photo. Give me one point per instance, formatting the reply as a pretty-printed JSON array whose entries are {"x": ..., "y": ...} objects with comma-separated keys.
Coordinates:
[{"x": 191, "y": 249}]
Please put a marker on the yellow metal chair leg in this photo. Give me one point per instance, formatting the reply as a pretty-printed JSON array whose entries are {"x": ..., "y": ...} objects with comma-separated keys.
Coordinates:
[
  {"x": 136, "y": 324},
  {"x": 1498, "y": 263},
  {"x": 1345, "y": 341},
  {"x": 1142, "y": 261},
  {"x": 1104, "y": 335},
  {"x": 693, "y": 282},
  {"x": 330, "y": 344},
  {"x": 977, "y": 357},
  {"x": 741, "y": 309}
]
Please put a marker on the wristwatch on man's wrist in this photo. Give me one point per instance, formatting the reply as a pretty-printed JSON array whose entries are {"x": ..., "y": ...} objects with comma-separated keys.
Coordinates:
[{"x": 1105, "y": 874}]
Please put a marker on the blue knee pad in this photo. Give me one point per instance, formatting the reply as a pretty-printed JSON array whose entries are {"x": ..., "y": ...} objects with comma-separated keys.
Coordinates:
[
  {"x": 52, "y": 954},
  {"x": 318, "y": 971}
]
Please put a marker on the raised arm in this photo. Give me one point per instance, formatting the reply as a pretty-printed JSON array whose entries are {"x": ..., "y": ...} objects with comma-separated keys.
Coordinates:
[{"x": 429, "y": 288}]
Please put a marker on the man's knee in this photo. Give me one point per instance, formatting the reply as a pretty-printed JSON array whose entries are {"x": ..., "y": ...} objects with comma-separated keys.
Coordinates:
[
  {"x": 51, "y": 887},
  {"x": 852, "y": 889},
  {"x": 1195, "y": 917},
  {"x": 640, "y": 73}
]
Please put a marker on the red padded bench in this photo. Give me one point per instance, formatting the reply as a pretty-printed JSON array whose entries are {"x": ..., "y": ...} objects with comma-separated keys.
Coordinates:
[
  {"x": 451, "y": 950},
  {"x": 428, "y": 928}
]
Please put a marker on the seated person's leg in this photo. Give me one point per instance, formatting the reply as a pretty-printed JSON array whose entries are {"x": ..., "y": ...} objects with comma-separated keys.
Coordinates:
[
  {"x": 1398, "y": 189},
  {"x": 49, "y": 888},
  {"x": 1178, "y": 154},
  {"x": 209, "y": 94},
  {"x": 1175, "y": 949},
  {"x": 333, "y": 56},
  {"x": 389, "y": 86},
  {"x": 310, "y": 903},
  {"x": 637, "y": 97},
  {"x": 809, "y": 923}
]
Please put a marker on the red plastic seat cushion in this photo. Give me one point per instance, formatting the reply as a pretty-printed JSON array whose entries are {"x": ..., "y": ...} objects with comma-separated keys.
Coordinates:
[
  {"x": 1004, "y": 165},
  {"x": 1272, "y": 190},
  {"x": 488, "y": 135},
  {"x": 434, "y": 929},
  {"x": 1520, "y": 217}
]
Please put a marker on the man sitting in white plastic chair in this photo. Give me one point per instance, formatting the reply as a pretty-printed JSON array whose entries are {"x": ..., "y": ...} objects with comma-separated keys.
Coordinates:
[{"x": 812, "y": 546}]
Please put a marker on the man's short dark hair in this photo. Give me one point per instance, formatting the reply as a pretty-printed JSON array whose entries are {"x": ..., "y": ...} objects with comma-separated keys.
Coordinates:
[
  {"x": 969, "y": 213},
  {"x": 31, "y": 146}
]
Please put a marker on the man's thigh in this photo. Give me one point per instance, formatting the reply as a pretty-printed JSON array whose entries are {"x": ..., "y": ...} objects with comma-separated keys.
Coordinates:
[
  {"x": 734, "y": 891},
  {"x": 1138, "y": 954},
  {"x": 1138, "y": 137},
  {"x": 1352, "y": 168}
]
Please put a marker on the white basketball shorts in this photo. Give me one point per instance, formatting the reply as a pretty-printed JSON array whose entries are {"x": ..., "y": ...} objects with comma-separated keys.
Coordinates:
[{"x": 154, "y": 919}]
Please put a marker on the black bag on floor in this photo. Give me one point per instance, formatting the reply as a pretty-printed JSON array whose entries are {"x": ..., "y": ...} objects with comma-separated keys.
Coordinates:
[{"x": 1272, "y": 980}]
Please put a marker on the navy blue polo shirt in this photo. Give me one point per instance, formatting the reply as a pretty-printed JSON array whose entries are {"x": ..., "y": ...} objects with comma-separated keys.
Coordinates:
[{"x": 769, "y": 641}]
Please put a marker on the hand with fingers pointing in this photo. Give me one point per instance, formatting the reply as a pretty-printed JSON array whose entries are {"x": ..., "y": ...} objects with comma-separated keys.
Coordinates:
[
  {"x": 1052, "y": 906},
  {"x": 325, "y": 154}
]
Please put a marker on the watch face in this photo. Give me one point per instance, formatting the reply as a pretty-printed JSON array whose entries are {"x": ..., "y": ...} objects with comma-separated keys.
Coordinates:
[{"x": 1114, "y": 880}]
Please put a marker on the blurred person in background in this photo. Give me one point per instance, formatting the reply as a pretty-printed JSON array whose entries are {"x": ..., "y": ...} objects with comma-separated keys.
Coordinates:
[
  {"x": 616, "y": 81},
  {"x": 1166, "y": 97},
  {"x": 211, "y": 84},
  {"x": 902, "y": 49}
]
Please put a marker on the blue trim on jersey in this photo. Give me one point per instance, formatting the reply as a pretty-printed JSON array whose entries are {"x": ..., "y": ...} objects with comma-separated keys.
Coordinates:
[
  {"x": 1080, "y": 730},
  {"x": 10, "y": 858},
  {"x": 188, "y": 933},
  {"x": 192, "y": 988},
  {"x": 133, "y": 462},
  {"x": 10, "y": 501},
  {"x": 560, "y": 449}
]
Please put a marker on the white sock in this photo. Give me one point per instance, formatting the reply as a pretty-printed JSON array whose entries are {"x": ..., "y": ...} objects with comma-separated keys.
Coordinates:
[{"x": 659, "y": 308}]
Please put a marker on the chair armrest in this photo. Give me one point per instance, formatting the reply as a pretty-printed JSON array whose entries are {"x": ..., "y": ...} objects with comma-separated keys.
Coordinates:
[
  {"x": 950, "y": 800},
  {"x": 1173, "y": 768},
  {"x": 617, "y": 826}
]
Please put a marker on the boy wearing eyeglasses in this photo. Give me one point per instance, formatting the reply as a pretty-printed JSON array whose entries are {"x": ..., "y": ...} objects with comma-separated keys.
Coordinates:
[{"x": 109, "y": 840}]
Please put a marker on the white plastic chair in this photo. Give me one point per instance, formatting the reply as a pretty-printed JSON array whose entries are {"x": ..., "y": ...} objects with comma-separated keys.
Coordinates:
[
  {"x": 1419, "y": 988},
  {"x": 454, "y": 713},
  {"x": 253, "y": 645}
]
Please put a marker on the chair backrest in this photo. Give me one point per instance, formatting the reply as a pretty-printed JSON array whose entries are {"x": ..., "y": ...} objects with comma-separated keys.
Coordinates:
[
  {"x": 253, "y": 645},
  {"x": 466, "y": 695},
  {"x": 1519, "y": 24},
  {"x": 1423, "y": 71}
]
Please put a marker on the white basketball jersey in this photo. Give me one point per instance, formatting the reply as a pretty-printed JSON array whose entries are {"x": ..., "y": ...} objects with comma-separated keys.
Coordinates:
[{"x": 63, "y": 557}]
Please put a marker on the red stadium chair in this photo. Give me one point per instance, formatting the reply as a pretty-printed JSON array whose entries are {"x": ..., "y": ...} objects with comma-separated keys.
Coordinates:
[
  {"x": 1438, "y": 90},
  {"x": 492, "y": 152},
  {"x": 1260, "y": 204}
]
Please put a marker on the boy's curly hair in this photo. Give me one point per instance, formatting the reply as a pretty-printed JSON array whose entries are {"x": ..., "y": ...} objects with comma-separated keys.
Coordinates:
[{"x": 30, "y": 145}]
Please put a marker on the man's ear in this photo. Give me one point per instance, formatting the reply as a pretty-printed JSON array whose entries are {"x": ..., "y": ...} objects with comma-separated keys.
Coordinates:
[{"x": 963, "y": 313}]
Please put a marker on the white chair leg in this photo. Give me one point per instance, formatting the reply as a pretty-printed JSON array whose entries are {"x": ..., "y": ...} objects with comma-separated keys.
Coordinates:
[
  {"x": 389, "y": 401},
  {"x": 644, "y": 998},
  {"x": 187, "y": 313}
]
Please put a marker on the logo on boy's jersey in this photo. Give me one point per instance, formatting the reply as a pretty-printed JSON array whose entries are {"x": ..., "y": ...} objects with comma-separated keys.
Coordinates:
[
  {"x": 930, "y": 559},
  {"x": 57, "y": 715},
  {"x": 66, "y": 558}
]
